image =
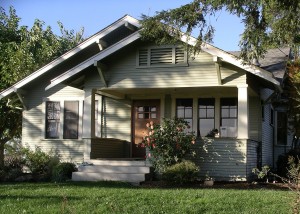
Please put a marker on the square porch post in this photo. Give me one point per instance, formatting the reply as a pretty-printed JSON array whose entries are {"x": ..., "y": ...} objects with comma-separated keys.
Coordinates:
[
  {"x": 243, "y": 112},
  {"x": 88, "y": 128}
]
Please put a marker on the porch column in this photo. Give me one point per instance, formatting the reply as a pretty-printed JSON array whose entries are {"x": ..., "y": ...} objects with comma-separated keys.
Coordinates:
[
  {"x": 88, "y": 130},
  {"x": 243, "y": 112}
]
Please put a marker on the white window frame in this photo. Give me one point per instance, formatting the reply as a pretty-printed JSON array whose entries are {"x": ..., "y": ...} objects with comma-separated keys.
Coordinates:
[{"x": 61, "y": 100}]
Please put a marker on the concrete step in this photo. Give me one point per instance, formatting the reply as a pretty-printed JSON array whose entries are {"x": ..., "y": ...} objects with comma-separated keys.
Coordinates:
[
  {"x": 90, "y": 176},
  {"x": 118, "y": 162},
  {"x": 115, "y": 169}
]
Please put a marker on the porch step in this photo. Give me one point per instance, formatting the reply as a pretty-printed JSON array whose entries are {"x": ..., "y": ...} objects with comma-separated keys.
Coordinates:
[
  {"x": 115, "y": 162},
  {"x": 113, "y": 170},
  {"x": 92, "y": 176}
]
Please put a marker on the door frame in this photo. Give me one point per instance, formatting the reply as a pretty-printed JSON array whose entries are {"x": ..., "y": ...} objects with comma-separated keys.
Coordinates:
[{"x": 133, "y": 119}]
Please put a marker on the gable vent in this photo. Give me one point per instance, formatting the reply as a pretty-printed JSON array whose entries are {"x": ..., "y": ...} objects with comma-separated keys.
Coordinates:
[
  {"x": 143, "y": 57},
  {"x": 161, "y": 56},
  {"x": 179, "y": 55}
]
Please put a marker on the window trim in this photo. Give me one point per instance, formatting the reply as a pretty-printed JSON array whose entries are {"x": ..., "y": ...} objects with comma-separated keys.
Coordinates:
[
  {"x": 61, "y": 100},
  {"x": 229, "y": 117},
  {"x": 199, "y": 117},
  {"x": 173, "y": 64}
]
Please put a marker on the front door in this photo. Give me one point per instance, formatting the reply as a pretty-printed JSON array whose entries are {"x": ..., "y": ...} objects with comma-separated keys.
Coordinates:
[{"x": 144, "y": 111}]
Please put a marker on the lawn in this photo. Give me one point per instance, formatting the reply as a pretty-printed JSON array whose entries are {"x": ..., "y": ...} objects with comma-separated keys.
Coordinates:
[{"x": 111, "y": 197}]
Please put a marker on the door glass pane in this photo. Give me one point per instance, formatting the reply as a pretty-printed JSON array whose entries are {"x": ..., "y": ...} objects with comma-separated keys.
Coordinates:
[
  {"x": 140, "y": 115},
  {"x": 206, "y": 125},
  {"x": 153, "y": 115},
  {"x": 180, "y": 112},
  {"x": 153, "y": 109}
]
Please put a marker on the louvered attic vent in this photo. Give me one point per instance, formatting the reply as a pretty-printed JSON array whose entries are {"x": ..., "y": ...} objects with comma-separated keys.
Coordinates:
[{"x": 162, "y": 56}]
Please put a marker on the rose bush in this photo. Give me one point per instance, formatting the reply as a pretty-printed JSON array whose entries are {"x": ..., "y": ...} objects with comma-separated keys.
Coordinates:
[{"x": 168, "y": 143}]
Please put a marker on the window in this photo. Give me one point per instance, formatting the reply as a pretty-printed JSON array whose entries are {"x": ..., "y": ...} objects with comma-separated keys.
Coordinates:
[
  {"x": 206, "y": 115},
  {"x": 281, "y": 128},
  {"x": 146, "y": 112},
  {"x": 71, "y": 119},
  {"x": 184, "y": 109},
  {"x": 161, "y": 56},
  {"x": 52, "y": 119},
  {"x": 229, "y": 112}
]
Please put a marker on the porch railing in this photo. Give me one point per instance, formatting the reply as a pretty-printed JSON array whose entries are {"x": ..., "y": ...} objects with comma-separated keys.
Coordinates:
[{"x": 109, "y": 148}]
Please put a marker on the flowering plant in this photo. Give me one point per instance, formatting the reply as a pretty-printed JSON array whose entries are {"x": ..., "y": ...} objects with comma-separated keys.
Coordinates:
[{"x": 168, "y": 143}]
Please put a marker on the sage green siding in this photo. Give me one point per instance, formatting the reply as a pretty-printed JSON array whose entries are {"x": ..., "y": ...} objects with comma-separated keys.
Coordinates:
[
  {"x": 200, "y": 71},
  {"x": 222, "y": 159},
  {"x": 116, "y": 120},
  {"x": 255, "y": 118},
  {"x": 34, "y": 119}
]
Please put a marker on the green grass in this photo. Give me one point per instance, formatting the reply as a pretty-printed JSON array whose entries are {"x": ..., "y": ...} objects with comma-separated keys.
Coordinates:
[{"x": 110, "y": 197}]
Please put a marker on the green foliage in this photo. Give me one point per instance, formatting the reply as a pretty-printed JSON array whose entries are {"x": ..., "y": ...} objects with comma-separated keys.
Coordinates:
[
  {"x": 22, "y": 51},
  {"x": 40, "y": 163},
  {"x": 168, "y": 143},
  {"x": 267, "y": 24},
  {"x": 181, "y": 173},
  {"x": 261, "y": 173},
  {"x": 63, "y": 171}
]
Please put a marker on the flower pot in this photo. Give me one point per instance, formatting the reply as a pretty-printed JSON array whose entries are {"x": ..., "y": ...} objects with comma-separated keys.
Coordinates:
[{"x": 209, "y": 183}]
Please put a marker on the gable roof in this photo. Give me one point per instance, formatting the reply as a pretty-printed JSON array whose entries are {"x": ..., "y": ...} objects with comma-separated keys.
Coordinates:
[
  {"x": 225, "y": 56},
  {"x": 94, "y": 38}
]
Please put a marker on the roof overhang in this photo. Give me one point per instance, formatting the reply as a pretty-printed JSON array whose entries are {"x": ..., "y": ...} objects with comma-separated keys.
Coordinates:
[
  {"x": 127, "y": 20},
  {"x": 230, "y": 58}
]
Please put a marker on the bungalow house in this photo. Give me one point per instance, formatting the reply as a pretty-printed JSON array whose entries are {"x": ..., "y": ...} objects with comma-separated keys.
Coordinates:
[{"x": 92, "y": 103}]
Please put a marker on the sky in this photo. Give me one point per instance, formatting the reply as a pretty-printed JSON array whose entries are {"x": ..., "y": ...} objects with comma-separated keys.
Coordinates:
[{"x": 95, "y": 15}]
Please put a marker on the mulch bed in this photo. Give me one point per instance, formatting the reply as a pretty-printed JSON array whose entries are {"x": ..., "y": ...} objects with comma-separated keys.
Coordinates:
[{"x": 218, "y": 185}]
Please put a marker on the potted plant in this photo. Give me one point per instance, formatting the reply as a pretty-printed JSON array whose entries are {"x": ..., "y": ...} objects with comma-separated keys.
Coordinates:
[{"x": 209, "y": 181}]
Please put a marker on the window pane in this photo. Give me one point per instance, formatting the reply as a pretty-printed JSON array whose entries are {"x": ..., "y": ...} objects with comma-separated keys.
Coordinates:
[
  {"x": 206, "y": 125},
  {"x": 180, "y": 112},
  {"x": 140, "y": 109},
  {"x": 224, "y": 113},
  {"x": 71, "y": 119},
  {"x": 210, "y": 113},
  {"x": 140, "y": 115},
  {"x": 202, "y": 113},
  {"x": 229, "y": 122},
  {"x": 233, "y": 112},
  {"x": 146, "y": 115},
  {"x": 153, "y": 115},
  {"x": 52, "y": 119},
  {"x": 153, "y": 109},
  {"x": 146, "y": 108},
  {"x": 188, "y": 112}
]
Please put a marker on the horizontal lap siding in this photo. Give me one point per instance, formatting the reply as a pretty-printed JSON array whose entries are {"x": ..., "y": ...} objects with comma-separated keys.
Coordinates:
[
  {"x": 267, "y": 131},
  {"x": 117, "y": 120},
  {"x": 33, "y": 119},
  {"x": 252, "y": 149},
  {"x": 255, "y": 118},
  {"x": 201, "y": 71},
  {"x": 222, "y": 159}
]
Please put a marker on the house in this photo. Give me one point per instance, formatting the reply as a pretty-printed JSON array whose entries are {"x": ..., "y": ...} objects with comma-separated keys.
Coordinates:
[{"x": 92, "y": 103}]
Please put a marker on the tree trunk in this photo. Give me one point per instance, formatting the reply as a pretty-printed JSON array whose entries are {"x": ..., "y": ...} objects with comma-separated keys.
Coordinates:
[{"x": 1, "y": 155}]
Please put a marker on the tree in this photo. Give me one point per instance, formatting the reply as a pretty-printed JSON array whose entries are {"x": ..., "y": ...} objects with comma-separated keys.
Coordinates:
[
  {"x": 267, "y": 23},
  {"x": 22, "y": 51}
]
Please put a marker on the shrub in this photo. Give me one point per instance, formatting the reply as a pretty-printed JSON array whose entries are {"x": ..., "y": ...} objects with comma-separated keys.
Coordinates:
[
  {"x": 283, "y": 162},
  {"x": 63, "y": 171},
  {"x": 168, "y": 143},
  {"x": 40, "y": 163},
  {"x": 181, "y": 173}
]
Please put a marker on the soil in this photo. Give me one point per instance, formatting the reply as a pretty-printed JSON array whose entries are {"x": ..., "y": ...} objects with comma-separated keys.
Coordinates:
[{"x": 218, "y": 185}]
